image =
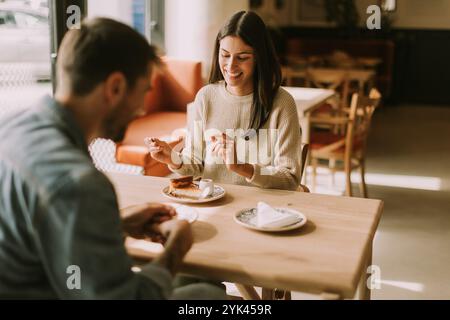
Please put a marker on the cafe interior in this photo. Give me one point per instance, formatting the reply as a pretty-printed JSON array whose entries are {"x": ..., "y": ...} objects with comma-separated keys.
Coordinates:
[{"x": 370, "y": 82}]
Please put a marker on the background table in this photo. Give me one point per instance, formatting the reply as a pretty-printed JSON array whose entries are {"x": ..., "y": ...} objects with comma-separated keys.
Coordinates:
[
  {"x": 307, "y": 100},
  {"x": 364, "y": 77}
]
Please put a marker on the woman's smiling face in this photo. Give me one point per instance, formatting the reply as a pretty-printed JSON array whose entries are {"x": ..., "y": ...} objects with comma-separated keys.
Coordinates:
[{"x": 237, "y": 64}]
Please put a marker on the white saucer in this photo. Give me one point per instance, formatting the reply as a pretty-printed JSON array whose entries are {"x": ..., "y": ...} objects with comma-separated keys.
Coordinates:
[
  {"x": 184, "y": 212},
  {"x": 218, "y": 193},
  {"x": 247, "y": 218}
]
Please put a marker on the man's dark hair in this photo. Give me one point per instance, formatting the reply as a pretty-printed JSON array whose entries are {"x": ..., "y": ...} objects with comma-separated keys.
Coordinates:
[{"x": 100, "y": 47}]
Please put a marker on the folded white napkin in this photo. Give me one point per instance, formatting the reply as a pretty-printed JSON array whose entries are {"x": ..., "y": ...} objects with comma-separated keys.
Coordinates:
[{"x": 268, "y": 217}]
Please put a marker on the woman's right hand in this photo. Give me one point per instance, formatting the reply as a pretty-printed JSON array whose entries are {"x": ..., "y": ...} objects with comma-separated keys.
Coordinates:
[{"x": 161, "y": 151}]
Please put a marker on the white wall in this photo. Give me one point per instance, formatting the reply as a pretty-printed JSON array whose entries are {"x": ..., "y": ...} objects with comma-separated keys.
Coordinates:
[
  {"x": 276, "y": 17},
  {"x": 191, "y": 27},
  {"x": 415, "y": 14},
  {"x": 121, "y": 10},
  {"x": 431, "y": 14}
]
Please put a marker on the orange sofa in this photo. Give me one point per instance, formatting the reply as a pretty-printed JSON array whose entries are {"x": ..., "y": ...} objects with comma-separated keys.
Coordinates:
[{"x": 165, "y": 114}]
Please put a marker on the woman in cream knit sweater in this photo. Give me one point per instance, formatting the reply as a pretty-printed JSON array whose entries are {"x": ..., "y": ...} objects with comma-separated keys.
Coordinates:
[{"x": 243, "y": 128}]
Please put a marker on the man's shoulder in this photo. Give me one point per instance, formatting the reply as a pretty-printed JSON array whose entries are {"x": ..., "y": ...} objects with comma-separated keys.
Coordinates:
[
  {"x": 39, "y": 151},
  {"x": 81, "y": 180}
]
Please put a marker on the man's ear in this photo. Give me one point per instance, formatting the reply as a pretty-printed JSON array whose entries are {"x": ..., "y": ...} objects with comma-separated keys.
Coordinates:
[{"x": 115, "y": 88}]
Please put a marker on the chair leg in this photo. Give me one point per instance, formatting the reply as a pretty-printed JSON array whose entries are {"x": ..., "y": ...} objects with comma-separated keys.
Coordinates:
[
  {"x": 348, "y": 183},
  {"x": 287, "y": 295},
  {"x": 348, "y": 186},
  {"x": 305, "y": 169},
  {"x": 362, "y": 185},
  {"x": 314, "y": 174},
  {"x": 275, "y": 294},
  {"x": 247, "y": 292},
  {"x": 282, "y": 294},
  {"x": 267, "y": 294},
  {"x": 332, "y": 167}
]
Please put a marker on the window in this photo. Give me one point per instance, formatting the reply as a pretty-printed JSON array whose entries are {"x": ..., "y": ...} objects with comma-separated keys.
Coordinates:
[
  {"x": 388, "y": 5},
  {"x": 156, "y": 22},
  {"x": 25, "y": 20},
  {"x": 6, "y": 19},
  {"x": 146, "y": 16},
  {"x": 25, "y": 70}
]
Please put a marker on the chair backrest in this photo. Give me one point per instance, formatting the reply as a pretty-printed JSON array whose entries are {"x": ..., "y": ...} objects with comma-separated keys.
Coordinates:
[
  {"x": 360, "y": 117},
  {"x": 304, "y": 158},
  {"x": 375, "y": 95},
  {"x": 330, "y": 79}
]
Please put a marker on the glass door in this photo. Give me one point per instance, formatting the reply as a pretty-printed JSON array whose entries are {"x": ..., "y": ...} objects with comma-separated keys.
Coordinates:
[{"x": 25, "y": 67}]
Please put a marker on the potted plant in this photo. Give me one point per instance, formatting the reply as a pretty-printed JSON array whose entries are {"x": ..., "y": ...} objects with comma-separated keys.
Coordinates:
[{"x": 343, "y": 13}]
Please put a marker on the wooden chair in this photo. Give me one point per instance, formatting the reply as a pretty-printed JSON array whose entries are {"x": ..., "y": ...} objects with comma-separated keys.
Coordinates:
[
  {"x": 349, "y": 148},
  {"x": 286, "y": 75},
  {"x": 304, "y": 158},
  {"x": 333, "y": 80}
]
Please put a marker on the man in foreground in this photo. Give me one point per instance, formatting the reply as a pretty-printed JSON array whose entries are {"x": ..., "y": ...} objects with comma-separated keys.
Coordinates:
[{"x": 57, "y": 212}]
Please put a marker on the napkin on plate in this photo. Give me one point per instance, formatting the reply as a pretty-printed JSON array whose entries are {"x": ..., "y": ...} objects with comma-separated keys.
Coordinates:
[{"x": 268, "y": 217}]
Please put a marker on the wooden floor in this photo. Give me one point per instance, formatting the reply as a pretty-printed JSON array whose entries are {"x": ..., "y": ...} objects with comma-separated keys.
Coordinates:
[{"x": 409, "y": 168}]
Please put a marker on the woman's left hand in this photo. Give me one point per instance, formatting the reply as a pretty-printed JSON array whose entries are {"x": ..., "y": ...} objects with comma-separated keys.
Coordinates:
[{"x": 225, "y": 148}]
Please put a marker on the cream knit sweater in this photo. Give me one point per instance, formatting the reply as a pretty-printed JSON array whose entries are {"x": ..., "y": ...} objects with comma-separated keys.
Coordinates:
[{"x": 274, "y": 151}]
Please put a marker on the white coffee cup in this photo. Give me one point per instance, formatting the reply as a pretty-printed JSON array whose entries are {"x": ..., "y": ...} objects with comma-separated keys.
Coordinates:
[{"x": 206, "y": 183}]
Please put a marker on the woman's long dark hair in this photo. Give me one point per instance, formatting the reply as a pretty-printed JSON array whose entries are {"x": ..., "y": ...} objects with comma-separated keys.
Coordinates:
[{"x": 248, "y": 26}]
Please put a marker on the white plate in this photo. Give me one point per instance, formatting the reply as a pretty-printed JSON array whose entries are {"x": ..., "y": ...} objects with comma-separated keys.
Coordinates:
[
  {"x": 184, "y": 212},
  {"x": 247, "y": 218},
  {"x": 218, "y": 193}
]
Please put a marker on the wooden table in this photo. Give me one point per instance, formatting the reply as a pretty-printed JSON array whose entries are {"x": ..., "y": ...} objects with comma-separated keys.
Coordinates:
[
  {"x": 308, "y": 61},
  {"x": 369, "y": 62},
  {"x": 364, "y": 77},
  {"x": 307, "y": 100},
  {"x": 328, "y": 255}
]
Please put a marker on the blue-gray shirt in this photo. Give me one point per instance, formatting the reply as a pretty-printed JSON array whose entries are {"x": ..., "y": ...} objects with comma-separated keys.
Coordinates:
[{"x": 58, "y": 214}]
